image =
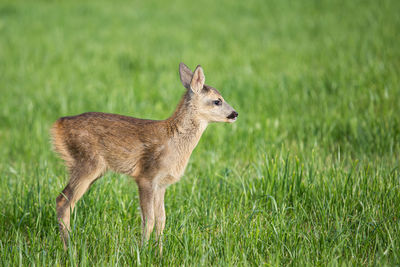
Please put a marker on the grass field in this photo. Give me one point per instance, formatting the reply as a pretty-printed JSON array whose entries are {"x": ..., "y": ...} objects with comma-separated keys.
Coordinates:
[{"x": 308, "y": 175}]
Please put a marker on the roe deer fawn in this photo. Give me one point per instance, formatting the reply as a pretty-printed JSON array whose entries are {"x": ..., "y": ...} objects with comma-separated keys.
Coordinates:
[{"x": 154, "y": 153}]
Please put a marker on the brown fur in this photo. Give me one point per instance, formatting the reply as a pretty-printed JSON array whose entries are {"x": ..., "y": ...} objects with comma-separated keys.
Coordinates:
[{"x": 154, "y": 153}]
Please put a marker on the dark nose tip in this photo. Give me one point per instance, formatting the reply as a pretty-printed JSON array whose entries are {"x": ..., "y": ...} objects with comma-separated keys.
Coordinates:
[{"x": 233, "y": 115}]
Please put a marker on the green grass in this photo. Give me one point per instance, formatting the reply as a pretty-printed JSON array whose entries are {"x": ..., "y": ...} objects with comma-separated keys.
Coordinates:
[{"x": 308, "y": 175}]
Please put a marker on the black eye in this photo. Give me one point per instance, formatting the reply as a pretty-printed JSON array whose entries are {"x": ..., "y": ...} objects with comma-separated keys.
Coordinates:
[{"x": 217, "y": 102}]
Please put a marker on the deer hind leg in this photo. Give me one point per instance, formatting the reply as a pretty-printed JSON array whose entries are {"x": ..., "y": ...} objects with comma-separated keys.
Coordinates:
[{"x": 81, "y": 177}]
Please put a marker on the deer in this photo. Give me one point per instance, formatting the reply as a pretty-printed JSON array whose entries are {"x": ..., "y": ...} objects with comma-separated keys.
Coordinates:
[{"x": 153, "y": 152}]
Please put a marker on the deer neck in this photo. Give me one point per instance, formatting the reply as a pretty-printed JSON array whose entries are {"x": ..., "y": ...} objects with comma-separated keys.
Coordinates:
[{"x": 185, "y": 127}]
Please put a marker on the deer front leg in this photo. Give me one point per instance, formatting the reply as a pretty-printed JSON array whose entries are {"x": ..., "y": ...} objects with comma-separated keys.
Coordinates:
[
  {"x": 146, "y": 195},
  {"x": 159, "y": 212}
]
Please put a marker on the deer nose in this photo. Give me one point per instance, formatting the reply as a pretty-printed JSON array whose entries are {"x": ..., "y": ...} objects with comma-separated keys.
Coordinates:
[{"x": 233, "y": 115}]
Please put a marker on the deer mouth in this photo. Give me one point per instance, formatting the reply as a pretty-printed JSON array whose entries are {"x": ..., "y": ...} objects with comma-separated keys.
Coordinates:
[{"x": 233, "y": 116}]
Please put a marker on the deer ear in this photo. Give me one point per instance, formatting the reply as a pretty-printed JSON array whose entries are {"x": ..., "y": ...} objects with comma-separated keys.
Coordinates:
[
  {"x": 186, "y": 75},
  {"x": 198, "y": 80}
]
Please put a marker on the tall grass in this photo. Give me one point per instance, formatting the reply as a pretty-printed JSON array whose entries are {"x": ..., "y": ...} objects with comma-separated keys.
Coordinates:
[{"x": 308, "y": 175}]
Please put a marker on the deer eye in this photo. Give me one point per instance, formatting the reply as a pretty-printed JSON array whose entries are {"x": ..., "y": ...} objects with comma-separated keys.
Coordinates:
[{"x": 217, "y": 102}]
